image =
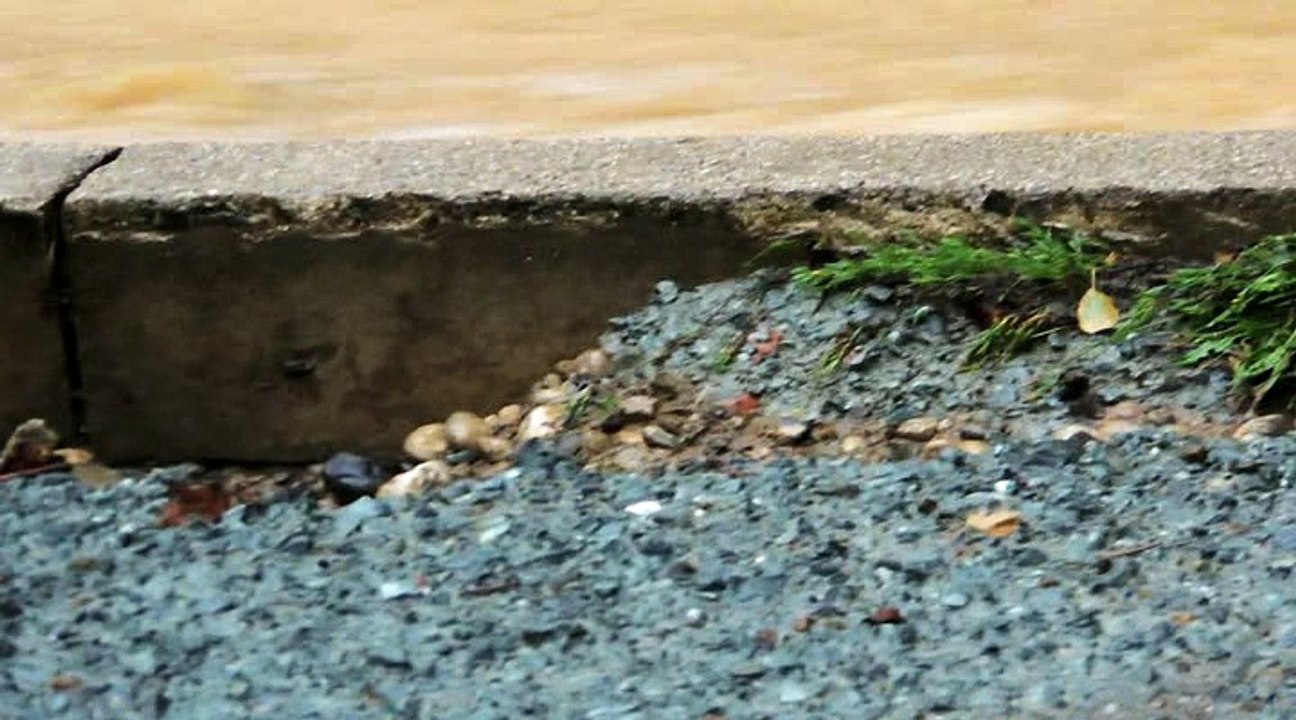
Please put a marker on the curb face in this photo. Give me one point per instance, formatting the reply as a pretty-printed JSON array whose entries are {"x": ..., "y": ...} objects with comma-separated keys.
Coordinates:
[
  {"x": 34, "y": 377},
  {"x": 276, "y": 302}
]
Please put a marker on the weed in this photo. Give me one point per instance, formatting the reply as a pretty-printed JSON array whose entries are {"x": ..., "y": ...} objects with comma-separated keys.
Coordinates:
[
  {"x": 1039, "y": 254},
  {"x": 1006, "y": 337},
  {"x": 833, "y": 361},
  {"x": 1242, "y": 311}
]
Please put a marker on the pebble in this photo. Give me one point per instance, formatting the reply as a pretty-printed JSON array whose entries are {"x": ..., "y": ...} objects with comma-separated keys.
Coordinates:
[
  {"x": 544, "y": 421},
  {"x": 1263, "y": 426},
  {"x": 427, "y": 442},
  {"x": 417, "y": 480},
  {"x": 465, "y": 430},
  {"x": 644, "y": 508},
  {"x": 349, "y": 476},
  {"x": 919, "y": 429},
  {"x": 658, "y": 437}
]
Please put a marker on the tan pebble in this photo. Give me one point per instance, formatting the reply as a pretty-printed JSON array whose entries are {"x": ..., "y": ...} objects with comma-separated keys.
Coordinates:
[
  {"x": 1263, "y": 426},
  {"x": 428, "y": 442},
  {"x": 549, "y": 395},
  {"x": 510, "y": 415},
  {"x": 542, "y": 422},
  {"x": 494, "y": 449},
  {"x": 852, "y": 444},
  {"x": 973, "y": 447},
  {"x": 465, "y": 431},
  {"x": 1125, "y": 410},
  {"x": 595, "y": 442},
  {"x": 1161, "y": 416},
  {"x": 630, "y": 459},
  {"x": 1118, "y": 426},
  {"x": 1069, "y": 431},
  {"x": 565, "y": 367},
  {"x": 919, "y": 429},
  {"x": 792, "y": 432},
  {"x": 630, "y": 436},
  {"x": 416, "y": 480},
  {"x": 658, "y": 437},
  {"x": 593, "y": 362},
  {"x": 638, "y": 408}
]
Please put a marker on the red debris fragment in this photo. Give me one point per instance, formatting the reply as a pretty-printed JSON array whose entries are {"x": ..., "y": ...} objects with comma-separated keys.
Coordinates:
[
  {"x": 887, "y": 616},
  {"x": 745, "y": 404},
  {"x": 767, "y": 348},
  {"x": 207, "y": 502}
]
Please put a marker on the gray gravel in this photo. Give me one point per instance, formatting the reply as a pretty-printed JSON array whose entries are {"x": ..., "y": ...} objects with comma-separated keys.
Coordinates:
[{"x": 1147, "y": 581}]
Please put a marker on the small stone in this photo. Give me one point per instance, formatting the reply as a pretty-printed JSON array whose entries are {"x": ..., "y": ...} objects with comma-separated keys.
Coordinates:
[
  {"x": 658, "y": 437},
  {"x": 1263, "y": 426},
  {"x": 349, "y": 476},
  {"x": 494, "y": 449},
  {"x": 594, "y": 363},
  {"x": 955, "y": 600},
  {"x": 1073, "y": 430},
  {"x": 792, "y": 432},
  {"x": 543, "y": 421},
  {"x": 595, "y": 442},
  {"x": 852, "y": 444},
  {"x": 919, "y": 429},
  {"x": 417, "y": 480},
  {"x": 644, "y": 508},
  {"x": 973, "y": 431},
  {"x": 631, "y": 458},
  {"x": 509, "y": 415},
  {"x": 666, "y": 292},
  {"x": 428, "y": 442},
  {"x": 395, "y": 590},
  {"x": 638, "y": 408},
  {"x": 465, "y": 430}
]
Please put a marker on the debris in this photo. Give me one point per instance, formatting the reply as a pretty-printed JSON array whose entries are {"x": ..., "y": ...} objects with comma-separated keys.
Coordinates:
[
  {"x": 887, "y": 616},
  {"x": 195, "y": 501},
  {"x": 1097, "y": 312},
  {"x": 768, "y": 347}
]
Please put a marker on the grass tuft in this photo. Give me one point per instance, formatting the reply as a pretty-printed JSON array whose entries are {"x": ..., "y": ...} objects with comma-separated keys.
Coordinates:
[{"x": 1242, "y": 311}]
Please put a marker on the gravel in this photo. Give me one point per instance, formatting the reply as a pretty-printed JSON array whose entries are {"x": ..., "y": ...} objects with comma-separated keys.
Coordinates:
[{"x": 1147, "y": 578}]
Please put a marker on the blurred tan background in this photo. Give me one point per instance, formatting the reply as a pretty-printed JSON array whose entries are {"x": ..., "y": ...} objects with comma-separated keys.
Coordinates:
[{"x": 132, "y": 70}]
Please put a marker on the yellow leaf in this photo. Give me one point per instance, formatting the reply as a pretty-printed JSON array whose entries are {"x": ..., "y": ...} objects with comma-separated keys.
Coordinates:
[
  {"x": 1097, "y": 312},
  {"x": 996, "y": 524}
]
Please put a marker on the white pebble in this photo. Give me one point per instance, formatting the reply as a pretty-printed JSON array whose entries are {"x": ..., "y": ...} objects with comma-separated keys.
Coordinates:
[{"x": 644, "y": 508}]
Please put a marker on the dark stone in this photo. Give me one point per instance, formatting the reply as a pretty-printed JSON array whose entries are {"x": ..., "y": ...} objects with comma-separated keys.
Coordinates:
[{"x": 350, "y": 477}]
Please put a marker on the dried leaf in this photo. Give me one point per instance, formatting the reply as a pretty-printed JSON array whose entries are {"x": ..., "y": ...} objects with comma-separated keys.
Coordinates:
[
  {"x": 1182, "y": 619},
  {"x": 75, "y": 456},
  {"x": 1097, "y": 312},
  {"x": 996, "y": 524}
]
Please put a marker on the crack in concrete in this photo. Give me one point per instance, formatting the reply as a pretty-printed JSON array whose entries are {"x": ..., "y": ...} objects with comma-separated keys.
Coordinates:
[{"x": 61, "y": 287}]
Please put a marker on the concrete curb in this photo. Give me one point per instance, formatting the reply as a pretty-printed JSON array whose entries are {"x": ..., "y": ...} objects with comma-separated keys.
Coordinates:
[{"x": 275, "y": 302}]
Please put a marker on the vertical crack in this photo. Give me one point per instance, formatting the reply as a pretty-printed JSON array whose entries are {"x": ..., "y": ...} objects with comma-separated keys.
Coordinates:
[{"x": 55, "y": 230}]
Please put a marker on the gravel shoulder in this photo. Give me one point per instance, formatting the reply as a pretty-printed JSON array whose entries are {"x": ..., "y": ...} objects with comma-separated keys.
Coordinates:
[{"x": 761, "y": 567}]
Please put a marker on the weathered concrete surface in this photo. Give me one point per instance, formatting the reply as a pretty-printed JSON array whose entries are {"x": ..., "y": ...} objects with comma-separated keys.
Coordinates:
[
  {"x": 276, "y": 302},
  {"x": 33, "y": 378}
]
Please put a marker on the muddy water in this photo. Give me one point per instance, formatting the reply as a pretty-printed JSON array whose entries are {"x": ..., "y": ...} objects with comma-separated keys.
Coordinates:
[{"x": 148, "y": 69}]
